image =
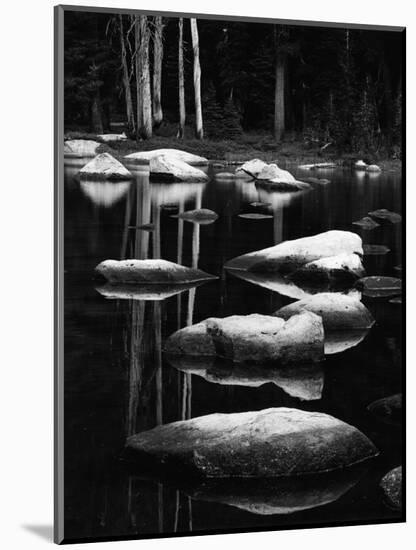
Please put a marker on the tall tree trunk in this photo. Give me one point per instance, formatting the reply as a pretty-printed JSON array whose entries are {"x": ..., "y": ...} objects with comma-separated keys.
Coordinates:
[
  {"x": 146, "y": 130},
  {"x": 96, "y": 114},
  {"x": 279, "y": 97},
  {"x": 181, "y": 79},
  {"x": 157, "y": 71},
  {"x": 139, "y": 70},
  {"x": 126, "y": 81},
  {"x": 199, "y": 129}
]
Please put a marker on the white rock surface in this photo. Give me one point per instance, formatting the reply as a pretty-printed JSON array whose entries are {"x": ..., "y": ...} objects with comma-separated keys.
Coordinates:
[
  {"x": 184, "y": 156},
  {"x": 112, "y": 137},
  {"x": 268, "y": 443},
  {"x": 360, "y": 165},
  {"x": 168, "y": 168},
  {"x": 340, "y": 267},
  {"x": 149, "y": 271},
  {"x": 250, "y": 168},
  {"x": 105, "y": 166},
  {"x": 80, "y": 148}
]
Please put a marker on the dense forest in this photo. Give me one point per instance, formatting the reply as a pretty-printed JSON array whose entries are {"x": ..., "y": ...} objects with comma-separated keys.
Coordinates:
[{"x": 221, "y": 79}]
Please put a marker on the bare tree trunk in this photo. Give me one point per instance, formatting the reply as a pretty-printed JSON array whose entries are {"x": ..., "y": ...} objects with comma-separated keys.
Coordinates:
[
  {"x": 146, "y": 130},
  {"x": 181, "y": 77},
  {"x": 157, "y": 71},
  {"x": 199, "y": 130},
  {"x": 138, "y": 67},
  {"x": 279, "y": 98},
  {"x": 96, "y": 114},
  {"x": 126, "y": 80}
]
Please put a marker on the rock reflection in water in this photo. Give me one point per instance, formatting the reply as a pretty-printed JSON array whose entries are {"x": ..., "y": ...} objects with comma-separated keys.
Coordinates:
[
  {"x": 104, "y": 193},
  {"x": 305, "y": 382}
]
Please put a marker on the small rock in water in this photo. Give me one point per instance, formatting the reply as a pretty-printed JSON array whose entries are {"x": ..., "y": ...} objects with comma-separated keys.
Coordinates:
[
  {"x": 106, "y": 167},
  {"x": 360, "y": 165},
  {"x": 375, "y": 249},
  {"x": 373, "y": 168},
  {"x": 255, "y": 216},
  {"x": 316, "y": 181},
  {"x": 169, "y": 207},
  {"x": 366, "y": 223},
  {"x": 256, "y": 444},
  {"x": 225, "y": 176},
  {"x": 318, "y": 166},
  {"x": 149, "y": 271},
  {"x": 397, "y": 300},
  {"x": 202, "y": 216},
  {"x": 385, "y": 215},
  {"x": 388, "y": 409},
  {"x": 379, "y": 287},
  {"x": 399, "y": 269},
  {"x": 260, "y": 204},
  {"x": 391, "y": 485}
]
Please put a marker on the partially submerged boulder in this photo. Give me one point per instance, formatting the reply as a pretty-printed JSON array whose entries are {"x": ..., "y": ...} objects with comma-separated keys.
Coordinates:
[
  {"x": 318, "y": 166},
  {"x": 112, "y": 137},
  {"x": 268, "y": 443},
  {"x": 105, "y": 166},
  {"x": 144, "y": 157},
  {"x": 170, "y": 169},
  {"x": 391, "y": 485},
  {"x": 360, "y": 165},
  {"x": 272, "y": 172},
  {"x": 388, "y": 409},
  {"x": 251, "y": 168},
  {"x": 253, "y": 338},
  {"x": 338, "y": 311},
  {"x": 279, "y": 185},
  {"x": 79, "y": 148},
  {"x": 225, "y": 176},
  {"x": 316, "y": 181},
  {"x": 373, "y": 168},
  {"x": 255, "y": 216},
  {"x": 343, "y": 268},
  {"x": 379, "y": 287},
  {"x": 149, "y": 271},
  {"x": 366, "y": 223},
  {"x": 384, "y": 215},
  {"x": 202, "y": 216},
  {"x": 290, "y": 255}
]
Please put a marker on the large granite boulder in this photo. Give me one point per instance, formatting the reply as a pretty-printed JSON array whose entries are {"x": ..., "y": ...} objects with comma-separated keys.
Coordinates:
[
  {"x": 391, "y": 485},
  {"x": 343, "y": 268},
  {"x": 106, "y": 167},
  {"x": 253, "y": 338},
  {"x": 144, "y": 157},
  {"x": 290, "y": 255},
  {"x": 338, "y": 311},
  {"x": 79, "y": 148},
  {"x": 168, "y": 168},
  {"x": 267, "y": 443},
  {"x": 251, "y": 168},
  {"x": 149, "y": 271}
]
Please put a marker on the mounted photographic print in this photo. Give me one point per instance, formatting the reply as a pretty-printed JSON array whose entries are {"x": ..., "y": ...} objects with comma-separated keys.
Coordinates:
[{"x": 229, "y": 274}]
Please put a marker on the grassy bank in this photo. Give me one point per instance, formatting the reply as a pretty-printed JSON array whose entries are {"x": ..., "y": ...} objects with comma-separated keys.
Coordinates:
[{"x": 247, "y": 147}]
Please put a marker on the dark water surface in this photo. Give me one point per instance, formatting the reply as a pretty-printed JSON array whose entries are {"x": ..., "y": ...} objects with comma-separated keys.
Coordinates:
[{"x": 117, "y": 381}]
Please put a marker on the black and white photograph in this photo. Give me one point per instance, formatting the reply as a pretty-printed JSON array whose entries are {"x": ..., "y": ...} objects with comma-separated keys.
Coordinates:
[{"x": 230, "y": 276}]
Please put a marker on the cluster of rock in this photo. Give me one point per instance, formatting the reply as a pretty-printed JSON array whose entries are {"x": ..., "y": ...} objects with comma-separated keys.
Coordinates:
[
  {"x": 361, "y": 165},
  {"x": 270, "y": 176}
]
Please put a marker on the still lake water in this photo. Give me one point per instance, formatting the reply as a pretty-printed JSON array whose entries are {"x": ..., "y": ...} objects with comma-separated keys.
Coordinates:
[{"x": 117, "y": 381}]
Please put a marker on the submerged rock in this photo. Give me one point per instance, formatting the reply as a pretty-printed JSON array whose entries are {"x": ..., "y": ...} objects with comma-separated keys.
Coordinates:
[
  {"x": 397, "y": 300},
  {"x": 253, "y": 338},
  {"x": 366, "y": 223},
  {"x": 379, "y": 287},
  {"x": 104, "y": 166},
  {"x": 268, "y": 443},
  {"x": 316, "y": 181},
  {"x": 304, "y": 382},
  {"x": 277, "y": 185},
  {"x": 385, "y": 215},
  {"x": 343, "y": 268},
  {"x": 80, "y": 148},
  {"x": 375, "y": 250},
  {"x": 149, "y": 271},
  {"x": 388, "y": 409},
  {"x": 224, "y": 176},
  {"x": 255, "y": 216},
  {"x": 202, "y": 216},
  {"x": 169, "y": 168},
  {"x": 391, "y": 485},
  {"x": 184, "y": 156},
  {"x": 250, "y": 168},
  {"x": 338, "y": 311},
  {"x": 290, "y": 255}
]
